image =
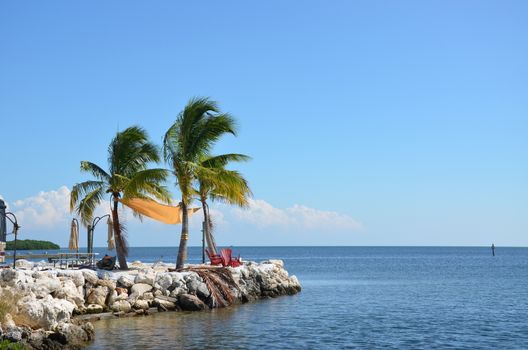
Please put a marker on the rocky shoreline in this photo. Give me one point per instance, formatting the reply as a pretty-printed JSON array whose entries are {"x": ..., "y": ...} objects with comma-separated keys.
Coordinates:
[{"x": 51, "y": 309}]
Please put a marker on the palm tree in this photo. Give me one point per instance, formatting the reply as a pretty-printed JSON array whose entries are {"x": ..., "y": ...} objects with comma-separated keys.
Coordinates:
[
  {"x": 128, "y": 177},
  {"x": 221, "y": 184},
  {"x": 197, "y": 128}
]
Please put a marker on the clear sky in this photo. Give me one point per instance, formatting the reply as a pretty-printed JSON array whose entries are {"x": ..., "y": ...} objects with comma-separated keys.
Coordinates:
[{"x": 369, "y": 122}]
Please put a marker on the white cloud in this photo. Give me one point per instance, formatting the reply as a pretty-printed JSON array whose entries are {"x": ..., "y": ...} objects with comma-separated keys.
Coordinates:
[
  {"x": 45, "y": 210},
  {"x": 47, "y": 213},
  {"x": 263, "y": 214}
]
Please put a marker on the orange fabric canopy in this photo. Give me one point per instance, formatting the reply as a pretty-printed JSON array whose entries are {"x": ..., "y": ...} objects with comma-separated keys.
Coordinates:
[{"x": 157, "y": 211}]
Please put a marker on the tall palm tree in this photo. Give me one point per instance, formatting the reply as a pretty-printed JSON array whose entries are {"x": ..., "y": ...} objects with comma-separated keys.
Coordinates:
[
  {"x": 221, "y": 184},
  {"x": 197, "y": 128},
  {"x": 129, "y": 154}
]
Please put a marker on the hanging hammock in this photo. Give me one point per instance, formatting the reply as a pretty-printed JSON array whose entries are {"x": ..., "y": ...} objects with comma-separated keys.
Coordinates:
[{"x": 154, "y": 210}]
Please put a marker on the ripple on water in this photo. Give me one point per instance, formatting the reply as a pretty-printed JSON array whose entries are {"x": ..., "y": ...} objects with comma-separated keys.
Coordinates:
[{"x": 384, "y": 298}]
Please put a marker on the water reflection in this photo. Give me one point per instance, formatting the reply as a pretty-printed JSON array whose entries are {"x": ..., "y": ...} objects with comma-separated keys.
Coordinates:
[
  {"x": 391, "y": 298},
  {"x": 237, "y": 327}
]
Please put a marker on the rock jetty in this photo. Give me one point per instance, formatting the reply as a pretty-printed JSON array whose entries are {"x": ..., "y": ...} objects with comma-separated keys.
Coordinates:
[{"x": 50, "y": 309}]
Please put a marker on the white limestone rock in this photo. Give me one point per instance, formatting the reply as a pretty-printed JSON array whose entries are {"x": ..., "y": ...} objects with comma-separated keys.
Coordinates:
[
  {"x": 141, "y": 305},
  {"x": 75, "y": 275},
  {"x": 90, "y": 277},
  {"x": 97, "y": 295},
  {"x": 178, "y": 291},
  {"x": 140, "y": 288},
  {"x": 146, "y": 277},
  {"x": 45, "y": 285},
  {"x": 147, "y": 296},
  {"x": 165, "y": 304},
  {"x": 47, "y": 312},
  {"x": 163, "y": 281},
  {"x": 24, "y": 264},
  {"x": 121, "y": 306},
  {"x": 125, "y": 281},
  {"x": 70, "y": 292},
  {"x": 13, "y": 277}
]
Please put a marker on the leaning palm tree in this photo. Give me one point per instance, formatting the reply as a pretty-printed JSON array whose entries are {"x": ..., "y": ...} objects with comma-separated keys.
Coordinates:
[
  {"x": 129, "y": 154},
  {"x": 220, "y": 184},
  {"x": 197, "y": 128}
]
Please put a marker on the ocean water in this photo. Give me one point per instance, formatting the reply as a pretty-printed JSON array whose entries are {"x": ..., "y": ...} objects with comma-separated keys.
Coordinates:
[{"x": 354, "y": 297}]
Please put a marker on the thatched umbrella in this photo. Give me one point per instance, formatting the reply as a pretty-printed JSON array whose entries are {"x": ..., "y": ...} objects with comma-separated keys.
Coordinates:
[
  {"x": 110, "y": 240},
  {"x": 74, "y": 236}
]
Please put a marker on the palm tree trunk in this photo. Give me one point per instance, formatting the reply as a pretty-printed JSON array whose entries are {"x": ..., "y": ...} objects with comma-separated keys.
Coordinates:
[
  {"x": 121, "y": 255},
  {"x": 207, "y": 228},
  {"x": 182, "y": 250}
]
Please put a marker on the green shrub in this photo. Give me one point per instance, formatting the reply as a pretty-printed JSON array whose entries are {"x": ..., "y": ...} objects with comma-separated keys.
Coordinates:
[
  {"x": 30, "y": 244},
  {"x": 7, "y": 345}
]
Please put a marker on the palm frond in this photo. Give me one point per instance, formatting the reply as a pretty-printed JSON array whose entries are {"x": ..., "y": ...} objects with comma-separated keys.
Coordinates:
[
  {"x": 82, "y": 189},
  {"x": 88, "y": 204},
  {"x": 223, "y": 159},
  {"x": 231, "y": 187},
  {"x": 118, "y": 182},
  {"x": 148, "y": 182},
  {"x": 130, "y": 151},
  {"x": 210, "y": 130},
  {"x": 95, "y": 170}
]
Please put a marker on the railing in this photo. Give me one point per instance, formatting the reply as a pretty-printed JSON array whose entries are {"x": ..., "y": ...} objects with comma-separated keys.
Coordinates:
[{"x": 64, "y": 260}]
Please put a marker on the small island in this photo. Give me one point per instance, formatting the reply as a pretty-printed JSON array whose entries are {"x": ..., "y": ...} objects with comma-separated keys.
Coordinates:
[{"x": 31, "y": 244}]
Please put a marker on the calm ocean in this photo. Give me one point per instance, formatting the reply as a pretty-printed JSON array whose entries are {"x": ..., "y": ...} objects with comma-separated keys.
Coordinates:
[{"x": 354, "y": 297}]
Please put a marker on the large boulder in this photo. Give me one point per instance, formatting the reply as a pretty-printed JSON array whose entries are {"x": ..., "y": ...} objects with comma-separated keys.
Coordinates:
[
  {"x": 125, "y": 281},
  {"x": 70, "y": 292},
  {"x": 146, "y": 277},
  {"x": 97, "y": 295},
  {"x": 120, "y": 294},
  {"x": 141, "y": 304},
  {"x": 13, "y": 277},
  {"x": 72, "y": 336},
  {"x": 164, "y": 304},
  {"x": 45, "y": 285},
  {"x": 23, "y": 264},
  {"x": 147, "y": 296},
  {"x": 9, "y": 330},
  {"x": 75, "y": 275},
  {"x": 189, "y": 302},
  {"x": 121, "y": 306},
  {"x": 111, "y": 285},
  {"x": 163, "y": 281},
  {"x": 90, "y": 277},
  {"x": 198, "y": 288},
  {"x": 140, "y": 288},
  {"x": 47, "y": 312},
  {"x": 178, "y": 291}
]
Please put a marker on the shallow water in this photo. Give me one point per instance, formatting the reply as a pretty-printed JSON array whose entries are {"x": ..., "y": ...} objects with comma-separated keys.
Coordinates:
[{"x": 355, "y": 297}]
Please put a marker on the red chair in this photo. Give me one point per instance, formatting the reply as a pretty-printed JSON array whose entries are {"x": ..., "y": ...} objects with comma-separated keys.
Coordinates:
[
  {"x": 214, "y": 258},
  {"x": 228, "y": 260}
]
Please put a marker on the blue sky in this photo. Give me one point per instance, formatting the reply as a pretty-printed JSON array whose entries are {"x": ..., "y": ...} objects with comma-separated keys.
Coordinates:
[{"x": 369, "y": 122}]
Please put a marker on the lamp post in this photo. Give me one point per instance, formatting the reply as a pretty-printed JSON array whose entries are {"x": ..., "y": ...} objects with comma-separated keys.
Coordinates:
[
  {"x": 11, "y": 217},
  {"x": 91, "y": 229},
  {"x": 3, "y": 231}
]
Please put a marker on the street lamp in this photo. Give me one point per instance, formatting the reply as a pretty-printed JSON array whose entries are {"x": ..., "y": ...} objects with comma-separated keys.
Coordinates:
[
  {"x": 11, "y": 217},
  {"x": 91, "y": 229}
]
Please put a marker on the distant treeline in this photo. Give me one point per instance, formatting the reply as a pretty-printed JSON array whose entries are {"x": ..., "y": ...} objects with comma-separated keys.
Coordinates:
[{"x": 30, "y": 244}]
